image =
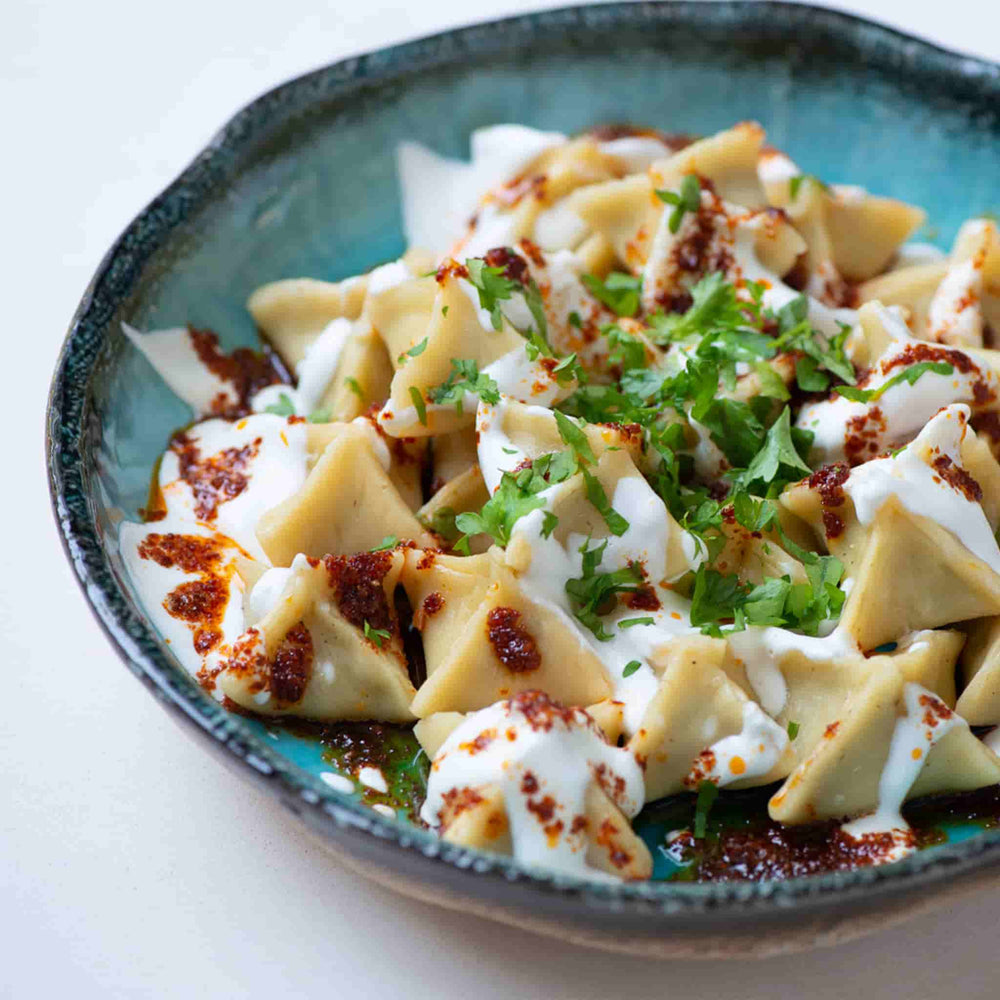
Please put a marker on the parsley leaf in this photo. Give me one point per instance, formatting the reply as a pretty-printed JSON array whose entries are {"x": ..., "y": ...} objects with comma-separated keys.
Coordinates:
[
  {"x": 688, "y": 199},
  {"x": 632, "y": 622},
  {"x": 753, "y": 514},
  {"x": 442, "y": 522},
  {"x": 569, "y": 370},
  {"x": 779, "y": 454},
  {"x": 419, "y": 404},
  {"x": 771, "y": 384},
  {"x": 908, "y": 375},
  {"x": 536, "y": 306},
  {"x": 714, "y": 304},
  {"x": 592, "y": 592},
  {"x": 493, "y": 286},
  {"x": 617, "y": 524},
  {"x": 796, "y": 182},
  {"x": 517, "y": 495},
  {"x": 501, "y": 512},
  {"x": 619, "y": 291},
  {"x": 389, "y": 542},
  {"x": 715, "y": 598},
  {"x": 627, "y": 351},
  {"x": 549, "y": 523},
  {"x": 809, "y": 377},
  {"x": 376, "y": 635},
  {"x": 708, "y": 792},
  {"x": 283, "y": 408},
  {"x": 574, "y": 436},
  {"x": 733, "y": 426},
  {"x": 414, "y": 352},
  {"x": 465, "y": 377},
  {"x": 796, "y": 334}
]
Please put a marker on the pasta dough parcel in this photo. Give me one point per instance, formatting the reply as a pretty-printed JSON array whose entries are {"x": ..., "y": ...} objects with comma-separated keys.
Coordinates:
[{"x": 656, "y": 466}]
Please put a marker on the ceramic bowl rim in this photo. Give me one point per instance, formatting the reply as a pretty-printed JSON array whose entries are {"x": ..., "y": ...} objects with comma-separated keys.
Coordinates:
[{"x": 324, "y": 808}]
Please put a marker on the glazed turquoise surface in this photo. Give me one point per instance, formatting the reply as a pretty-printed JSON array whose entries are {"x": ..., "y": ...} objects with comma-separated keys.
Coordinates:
[{"x": 302, "y": 183}]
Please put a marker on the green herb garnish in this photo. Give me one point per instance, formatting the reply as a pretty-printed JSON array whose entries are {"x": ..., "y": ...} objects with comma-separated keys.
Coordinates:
[
  {"x": 908, "y": 375},
  {"x": 619, "y": 291},
  {"x": 283, "y": 408},
  {"x": 376, "y": 635},
  {"x": 708, "y": 792},
  {"x": 419, "y": 404},
  {"x": 687, "y": 199}
]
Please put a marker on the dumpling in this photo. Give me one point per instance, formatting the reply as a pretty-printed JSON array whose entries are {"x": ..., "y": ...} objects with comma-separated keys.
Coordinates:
[{"x": 329, "y": 649}]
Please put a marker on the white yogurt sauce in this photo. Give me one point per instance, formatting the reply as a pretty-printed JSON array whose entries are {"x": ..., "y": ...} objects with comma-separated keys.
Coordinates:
[
  {"x": 762, "y": 649},
  {"x": 915, "y": 254},
  {"x": 636, "y": 152},
  {"x": 495, "y": 450},
  {"x": 502, "y": 746},
  {"x": 646, "y": 541},
  {"x": 267, "y": 590},
  {"x": 926, "y": 721},
  {"x": 439, "y": 194},
  {"x": 388, "y": 276},
  {"x": 750, "y": 753},
  {"x": 954, "y": 316},
  {"x": 903, "y": 408},
  {"x": 736, "y": 229},
  {"x": 153, "y": 583},
  {"x": 172, "y": 354},
  {"x": 559, "y": 227},
  {"x": 276, "y": 472},
  {"x": 912, "y": 479}
]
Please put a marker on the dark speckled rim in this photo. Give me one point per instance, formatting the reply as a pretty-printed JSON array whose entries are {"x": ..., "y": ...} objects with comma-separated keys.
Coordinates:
[{"x": 651, "y": 908}]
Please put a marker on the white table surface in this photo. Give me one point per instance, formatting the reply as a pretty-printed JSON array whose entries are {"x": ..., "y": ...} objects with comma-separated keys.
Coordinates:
[{"x": 131, "y": 863}]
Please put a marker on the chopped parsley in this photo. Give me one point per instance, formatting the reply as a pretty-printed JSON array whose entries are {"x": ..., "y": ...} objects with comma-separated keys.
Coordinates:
[
  {"x": 619, "y": 291},
  {"x": 419, "y": 404},
  {"x": 389, "y": 542},
  {"x": 687, "y": 199},
  {"x": 808, "y": 376},
  {"x": 414, "y": 352},
  {"x": 376, "y": 635},
  {"x": 321, "y": 416},
  {"x": 493, "y": 286},
  {"x": 708, "y": 792},
  {"x": 779, "y": 460},
  {"x": 354, "y": 386},
  {"x": 631, "y": 667},
  {"x": 593, "y": 593},
  {"x": 465, "y": 377},
  {"x": 909, "y": 375},
  {"x": 442, "y": 522},
  {"x": 516, "y": 496},
  {"x": 617, "y": 524},
  {"x": 793, "y": 730},
  {"x": 632, "y": 622},
  {"x": 283, "y": 408},
  {"x": 627, "y": 351},
  {"x": 549, "y": 523},
  {"x": 796, "y": 182},
  {"x": 574, "y": 436}
]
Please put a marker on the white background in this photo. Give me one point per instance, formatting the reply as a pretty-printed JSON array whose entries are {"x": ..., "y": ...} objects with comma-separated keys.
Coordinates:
[{"x": 131, "y": 863}]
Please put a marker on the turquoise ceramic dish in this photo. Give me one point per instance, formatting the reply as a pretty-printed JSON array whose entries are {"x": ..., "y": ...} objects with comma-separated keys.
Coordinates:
[{"x": 849, "y": 99}]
